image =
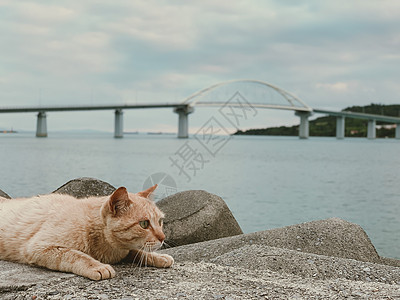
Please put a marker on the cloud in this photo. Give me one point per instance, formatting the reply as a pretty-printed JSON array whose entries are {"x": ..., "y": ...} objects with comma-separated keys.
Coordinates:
[
  {"x": 169, "y": 28},
  {"x": 43, "y": 14},
  {"x": 334, "y": 87},
  {"x": 101, "y": 52}
]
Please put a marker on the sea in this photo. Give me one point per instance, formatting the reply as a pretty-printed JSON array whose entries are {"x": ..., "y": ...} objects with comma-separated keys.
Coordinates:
[{"x": 267, "y": 182}]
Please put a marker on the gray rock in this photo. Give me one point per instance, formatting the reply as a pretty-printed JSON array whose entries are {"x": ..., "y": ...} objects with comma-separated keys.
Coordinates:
[
  {"x": 228, "y": 268},
  {"x": 196, "y": 216},
  {"x": 86, "y": 187},
  {"x": 331, "y": 237},
  {"x": 4, "y": 195}
]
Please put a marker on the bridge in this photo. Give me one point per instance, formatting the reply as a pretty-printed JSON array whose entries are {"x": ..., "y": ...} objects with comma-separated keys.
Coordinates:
[
  {"x": 41, "y": 125},
  {"x": 246, "y": 95}
]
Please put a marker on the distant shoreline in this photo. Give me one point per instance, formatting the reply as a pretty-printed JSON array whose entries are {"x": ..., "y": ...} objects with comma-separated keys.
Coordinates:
[
  {"x": 326, "y": 126},
  {"x": 8, "y": 131}
]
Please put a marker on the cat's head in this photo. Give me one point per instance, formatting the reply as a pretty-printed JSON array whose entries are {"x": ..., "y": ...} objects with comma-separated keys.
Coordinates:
[{"x": 133, "y": 221}]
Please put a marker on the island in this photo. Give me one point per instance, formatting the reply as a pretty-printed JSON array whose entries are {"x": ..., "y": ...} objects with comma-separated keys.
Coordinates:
[{"x": 326, "y": 126}]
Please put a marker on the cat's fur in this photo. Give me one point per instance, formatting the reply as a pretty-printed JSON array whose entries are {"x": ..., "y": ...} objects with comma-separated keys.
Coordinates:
[{"x": 82, "y": 236}]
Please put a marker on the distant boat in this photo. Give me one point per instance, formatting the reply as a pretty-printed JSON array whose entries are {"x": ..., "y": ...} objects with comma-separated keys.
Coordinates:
[{"x": 8, "y": 131}]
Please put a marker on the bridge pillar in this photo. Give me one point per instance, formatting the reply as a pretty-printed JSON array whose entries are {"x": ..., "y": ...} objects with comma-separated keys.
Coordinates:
[
  {"x": 119, "y": 124},
  {"x": 41, "y": 125},
  {"x": 340, "y": 127},
  {"x": 397, "y": 134},
  {"x": 183, "y": 124},
  {"x": 371, "y": 129},
  {"x": 304, "y": 124}
]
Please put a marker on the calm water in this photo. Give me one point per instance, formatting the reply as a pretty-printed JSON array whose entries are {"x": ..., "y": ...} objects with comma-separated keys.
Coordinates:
[{"x": 266, "y": 181}]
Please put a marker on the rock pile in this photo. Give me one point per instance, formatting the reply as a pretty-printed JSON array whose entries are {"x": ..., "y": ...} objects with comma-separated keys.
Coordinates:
[{"x": 327, "y": 259}]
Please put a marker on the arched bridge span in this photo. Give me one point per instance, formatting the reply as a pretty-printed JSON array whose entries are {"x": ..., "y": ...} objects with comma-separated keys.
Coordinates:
[
  {"x": 258, "y": 93},
  {"x": 248, "y": 94}
]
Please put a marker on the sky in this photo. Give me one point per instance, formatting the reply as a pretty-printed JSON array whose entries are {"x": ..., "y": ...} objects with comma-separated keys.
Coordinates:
[{"x": 330, "y": 54}]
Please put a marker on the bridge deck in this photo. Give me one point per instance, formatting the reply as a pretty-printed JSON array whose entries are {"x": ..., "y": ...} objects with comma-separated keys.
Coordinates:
[
  {"x": 183, "y": 106},
  {"x": 88, "y": 107},
  {"x": 356, "y": 115}
]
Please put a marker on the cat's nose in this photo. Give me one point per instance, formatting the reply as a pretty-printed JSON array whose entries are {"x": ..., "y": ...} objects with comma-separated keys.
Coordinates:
[{"x": 160, "y": 236}]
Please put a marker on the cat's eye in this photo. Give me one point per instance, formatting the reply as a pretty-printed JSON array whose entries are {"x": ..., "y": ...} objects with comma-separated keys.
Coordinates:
[
  {"x": 161, "y": 221},
  {"x": 144, "y": 224}
]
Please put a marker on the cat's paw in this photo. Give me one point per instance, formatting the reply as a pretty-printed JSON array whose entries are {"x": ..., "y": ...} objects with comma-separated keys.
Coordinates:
[
  {"x": 164, "y": 261},
  {"x": 101, "y": 271}
]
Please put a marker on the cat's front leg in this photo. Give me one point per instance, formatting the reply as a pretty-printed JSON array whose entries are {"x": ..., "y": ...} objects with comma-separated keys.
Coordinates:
[
  {"x": 150, "y": 259},
  {"x": 70, "y": 260}
]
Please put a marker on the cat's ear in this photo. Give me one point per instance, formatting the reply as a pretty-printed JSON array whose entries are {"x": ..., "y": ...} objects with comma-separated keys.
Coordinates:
[
  {"x": 147, "y": 193},
  {"x": 119, "y": 201}
]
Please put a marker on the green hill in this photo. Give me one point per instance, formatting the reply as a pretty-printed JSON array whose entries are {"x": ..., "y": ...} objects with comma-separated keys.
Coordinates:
[{"x": 326, "y": 126}]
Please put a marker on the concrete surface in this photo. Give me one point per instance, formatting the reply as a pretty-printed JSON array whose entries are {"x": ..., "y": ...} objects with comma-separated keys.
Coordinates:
[
  {"x": 196, "y": 216},
  {"x": 188, "y": 280},
  {"x": 237, "y": 267},
  {"x": 15, "y": 276}
]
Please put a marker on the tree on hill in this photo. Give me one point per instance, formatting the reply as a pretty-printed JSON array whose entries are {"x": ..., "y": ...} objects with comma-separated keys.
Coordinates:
[{"x": 326, "y": 126}]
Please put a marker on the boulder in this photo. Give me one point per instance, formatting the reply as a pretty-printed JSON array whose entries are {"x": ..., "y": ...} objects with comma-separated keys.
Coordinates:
[
  {"x": 86, "y": 187},
  {"x": 196, "y": 216},
  {"x": 262, "y": 258},
  {"x": 4, "y": 195},
  {"x": 332, "y": 237},
  {"x": 237, "y": 267}
]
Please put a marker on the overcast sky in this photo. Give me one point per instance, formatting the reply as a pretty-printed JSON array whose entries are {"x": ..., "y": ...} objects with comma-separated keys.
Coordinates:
[{"x": 331, "y": 54}]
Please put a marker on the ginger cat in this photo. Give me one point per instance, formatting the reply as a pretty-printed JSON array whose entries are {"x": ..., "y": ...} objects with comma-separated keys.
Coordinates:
[{"x": 83, "y": 236}]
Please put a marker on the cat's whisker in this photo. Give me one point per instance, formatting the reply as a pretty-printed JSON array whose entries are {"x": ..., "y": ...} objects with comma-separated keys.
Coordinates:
[
  {"x": 147, "y": 253},
  {"x": 169, "y": 244},
  {"x": 142, "y": 256},
  {"x": 152, "y": 260},
  {"x": 139, "y": 265},
  {"x": 136, "y": 261}
]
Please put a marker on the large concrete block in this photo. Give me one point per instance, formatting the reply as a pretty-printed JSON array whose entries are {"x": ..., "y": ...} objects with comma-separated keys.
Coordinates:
[
  {"x": 86, "y": 187},
  {"x": 196, "y": 216},
  {"x": 332, "y": 237}
]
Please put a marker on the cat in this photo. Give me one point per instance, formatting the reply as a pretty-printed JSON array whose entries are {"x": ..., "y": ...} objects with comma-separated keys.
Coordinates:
[{"x": 83, "y": 236}]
